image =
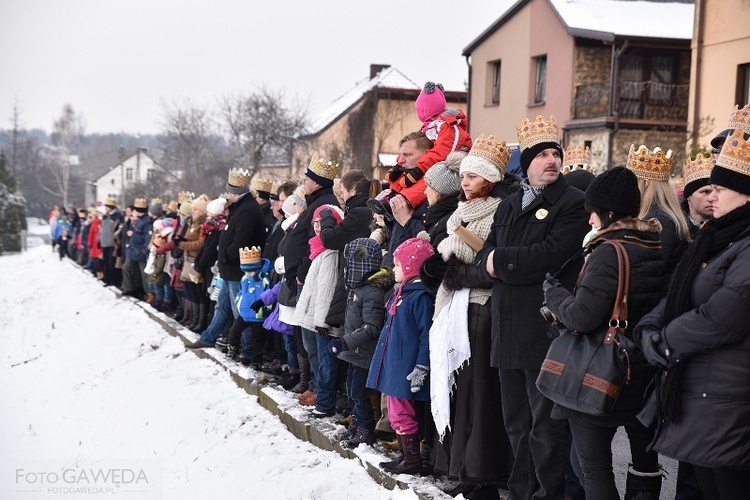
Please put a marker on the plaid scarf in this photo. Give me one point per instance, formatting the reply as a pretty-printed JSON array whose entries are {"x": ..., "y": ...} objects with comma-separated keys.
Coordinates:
[
  {"x": 215, "y": 223},
  {"x": 529, "y": 193}
]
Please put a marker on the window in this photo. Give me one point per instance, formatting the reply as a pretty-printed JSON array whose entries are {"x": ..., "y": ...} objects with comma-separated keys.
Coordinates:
[
  {"x": 112, "y": 182},
  {"x": 587, "y": 144},
  {"x": 129, "y": 174},
  {"x": 540, "y": 81},
  {"x": 743, "y": 84},
  {"x": 493, "y": 83},
  {"x": 150, "y": 173}
]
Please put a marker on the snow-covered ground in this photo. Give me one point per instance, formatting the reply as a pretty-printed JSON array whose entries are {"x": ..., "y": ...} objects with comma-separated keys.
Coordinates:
[{"x": 98, "y": 401}]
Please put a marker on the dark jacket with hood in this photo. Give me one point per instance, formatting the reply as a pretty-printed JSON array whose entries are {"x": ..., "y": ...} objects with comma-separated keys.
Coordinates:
[
  {"x": 590, "y": 309},
  {"x": 436, "y": 217}
]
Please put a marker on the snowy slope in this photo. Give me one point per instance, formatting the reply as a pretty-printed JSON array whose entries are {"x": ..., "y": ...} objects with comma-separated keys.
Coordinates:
[{"x": 90, "y": 383}]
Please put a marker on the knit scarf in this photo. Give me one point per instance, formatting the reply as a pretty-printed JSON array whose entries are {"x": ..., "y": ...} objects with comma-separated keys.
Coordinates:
[
  {"x": 316, "y": 247},
  {"x": 529, "y": 193},
  {"x": 214, "y": 223},
  {"x": 712, "y": 239}
]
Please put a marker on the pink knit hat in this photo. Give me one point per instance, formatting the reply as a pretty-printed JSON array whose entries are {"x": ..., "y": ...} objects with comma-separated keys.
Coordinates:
[
  {"x": 430, "y": 102},
  {"x": 411, "y": 254},
  {"x": 336, "y": 211}
]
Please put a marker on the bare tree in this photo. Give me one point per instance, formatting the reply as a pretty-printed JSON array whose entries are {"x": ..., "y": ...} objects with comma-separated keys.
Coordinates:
[
  {"x": 67, "y": 133},
  {"x": 260, "y": 126}
]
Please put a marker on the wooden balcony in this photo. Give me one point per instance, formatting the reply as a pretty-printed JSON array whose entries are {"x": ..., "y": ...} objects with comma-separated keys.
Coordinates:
[{"x": 647, "y": 100}]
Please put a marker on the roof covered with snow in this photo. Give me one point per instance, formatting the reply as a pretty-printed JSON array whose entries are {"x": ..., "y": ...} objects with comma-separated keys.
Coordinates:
[
  {"x": 611, "y": 19},
  {"x": 607, "y": 19},
  {"x": 388, "y": 78}
]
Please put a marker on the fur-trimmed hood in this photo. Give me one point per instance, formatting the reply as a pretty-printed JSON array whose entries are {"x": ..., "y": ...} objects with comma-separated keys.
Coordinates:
[
  {"x": 648, "y": 231},
  {"x": 383, "y": 279}
]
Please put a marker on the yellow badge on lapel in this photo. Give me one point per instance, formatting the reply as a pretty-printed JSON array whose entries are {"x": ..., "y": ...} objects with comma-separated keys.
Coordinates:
[
  {"x": 226, "y": 227},
  {"x": 541, "y": 213}
]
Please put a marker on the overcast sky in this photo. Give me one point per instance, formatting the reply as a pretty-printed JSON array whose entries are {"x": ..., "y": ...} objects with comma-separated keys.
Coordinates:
[{"x": 117, "y": 61}]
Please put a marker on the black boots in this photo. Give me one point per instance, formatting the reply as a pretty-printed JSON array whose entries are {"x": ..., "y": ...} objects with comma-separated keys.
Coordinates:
[
  {"x": 643, "y": 485},
  {"x": 412, "y": 462},
  {"x": 187, "y": 313},
  {"x": 200, "y": 325},
  {"x": 194, "y": 316}
]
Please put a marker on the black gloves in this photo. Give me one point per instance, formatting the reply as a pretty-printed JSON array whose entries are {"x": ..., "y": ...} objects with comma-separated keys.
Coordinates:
[
  {"x": 550, "y": 283},
  {"x": 412, "y": 176},
  {"x": 327, "y": 220},
  {"x": 255, "y": 306},
  {"x": 322, "y": 331},
  {"x": 654, "y": 350}
]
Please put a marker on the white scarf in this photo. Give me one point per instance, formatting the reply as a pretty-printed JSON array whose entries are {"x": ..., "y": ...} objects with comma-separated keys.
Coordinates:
[{"x": 449, "y": 350}]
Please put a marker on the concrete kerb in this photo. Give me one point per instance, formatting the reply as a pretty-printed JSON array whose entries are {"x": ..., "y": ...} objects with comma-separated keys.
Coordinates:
[{"x": 254, "y": 384}]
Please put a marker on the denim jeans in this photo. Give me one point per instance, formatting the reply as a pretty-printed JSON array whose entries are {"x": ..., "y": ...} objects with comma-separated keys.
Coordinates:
[
  {"x": 359, "y": 397},
  {"x": 225, "y": 308},
  {"x": 327, "y": 375},
  {"x": 592, "y": 442},
  {"x": 539, "y": 442},
  {"x": 168, "y": 293},
  {"x": 310, "y": 342},
  {"x": 158, "y": 292},
  {"x": 291, "y": 350}
]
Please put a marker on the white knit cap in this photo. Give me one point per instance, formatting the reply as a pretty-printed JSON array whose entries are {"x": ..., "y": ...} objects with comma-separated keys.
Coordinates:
[
  {"x": 216, "y": 207},
  {"x": 481, "y": 167}
]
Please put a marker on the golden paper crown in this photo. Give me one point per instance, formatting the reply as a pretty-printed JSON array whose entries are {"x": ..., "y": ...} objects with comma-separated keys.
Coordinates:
[
  {"x": 740, "y": 119},
  {"x": 238, "y": 177},
  {"x": 497, "y": 153},
  {"x": 536, "y": 132},
  {"x": 140, "y": 203},
  {"x": 323, "y": 168},
  {"x": 700, "y": 168},
  {"x": 735, "y": 154},
  {"x": 654, "y": 166},
  {"x": 111, "y": 202},
  {"x": 184, "y": 196},
  {"x": 250, "y": 255},
  {"x": 154, "y": 201},
  {"x": 262, "y": 185},
  {"x": 576, "y": 158}
]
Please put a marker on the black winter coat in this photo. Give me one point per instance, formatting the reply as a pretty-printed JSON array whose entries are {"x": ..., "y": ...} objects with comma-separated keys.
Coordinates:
[
  {"x": 297, "y": 245},
  {"x": 356, "y": 224},
  {"x": 436, "y": 217},
  {"x": 365, "y": 316},
  {"x": 208, "y": 255},
  {"x": 590, "y": 309},
  {"x": 527, "y": 244},
  {"x": 672, "y": 247},
  {"x": 244, "y": 228},
  {"x": 712, "y": 343}
]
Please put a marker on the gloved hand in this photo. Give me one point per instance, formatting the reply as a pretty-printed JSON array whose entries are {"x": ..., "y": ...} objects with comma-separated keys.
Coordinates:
[
  {"x": 337, "y": 345},
  {"x": 255, "y": 306},
  {"x": 327, "y": 220},
  {"x": 411, "y": 177},
  {"x": 417, "y": 377},
  {"x": 550, "y": 283},
  {"x": 394, "y": 173},
  {"x": 322, "y": 331},
  {"x": 655, "y": 353},
  {"x": 435, "y": 267}
]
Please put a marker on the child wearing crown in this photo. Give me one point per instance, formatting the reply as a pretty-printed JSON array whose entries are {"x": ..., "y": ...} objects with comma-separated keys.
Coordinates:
[
  {"x": 446, "y": 128},
  {"x": 255, "y": 281}
]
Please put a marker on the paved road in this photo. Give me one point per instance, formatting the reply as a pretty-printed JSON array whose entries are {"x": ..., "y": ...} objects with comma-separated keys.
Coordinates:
[{"x": 621, "y": 458}]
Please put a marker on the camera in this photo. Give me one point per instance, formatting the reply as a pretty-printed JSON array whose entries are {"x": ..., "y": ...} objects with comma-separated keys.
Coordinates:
[{"x": 548, "y": 315}]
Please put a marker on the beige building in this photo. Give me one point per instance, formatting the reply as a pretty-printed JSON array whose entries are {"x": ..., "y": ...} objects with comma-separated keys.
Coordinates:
[
  {"x": 720, "y": 76},
  {"x": 612, "y": 72},
  {"x": 362, "y": 128}
]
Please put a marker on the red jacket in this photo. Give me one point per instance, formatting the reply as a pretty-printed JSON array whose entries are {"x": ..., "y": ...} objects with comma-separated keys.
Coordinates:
[
  {"x": 448, "y": 133},
  {"x": 95, "y": 249}
]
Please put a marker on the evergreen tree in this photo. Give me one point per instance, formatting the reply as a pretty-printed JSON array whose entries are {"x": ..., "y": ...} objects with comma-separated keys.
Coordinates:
[{"x": 12, "y": 210}]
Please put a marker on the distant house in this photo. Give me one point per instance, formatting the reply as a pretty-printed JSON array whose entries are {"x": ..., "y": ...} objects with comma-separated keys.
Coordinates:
[
  {"x": 137, "y": 175},
  {"x": 612, "y": 72},
  {"x": 362, "y": 128},
  {"x": 721, "y": 66}
]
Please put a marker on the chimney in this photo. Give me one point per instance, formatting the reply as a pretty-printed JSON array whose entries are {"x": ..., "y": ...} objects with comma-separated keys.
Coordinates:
[{"x": 377, "y": 68}]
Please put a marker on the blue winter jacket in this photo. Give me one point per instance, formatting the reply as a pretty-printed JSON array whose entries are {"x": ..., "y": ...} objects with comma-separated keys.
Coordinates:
[
  {"x": 404, "y": 343},
  {"x": 251, "y": 288},
  {"x": 137, "y": 250}
]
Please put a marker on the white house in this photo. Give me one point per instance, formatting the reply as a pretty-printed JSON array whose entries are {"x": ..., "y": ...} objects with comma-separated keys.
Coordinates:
[{"x": 136, "y": 170}]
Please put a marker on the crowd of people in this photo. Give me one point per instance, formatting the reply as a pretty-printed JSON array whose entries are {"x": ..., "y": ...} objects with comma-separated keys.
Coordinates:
[{"x": 409, "y": 311}]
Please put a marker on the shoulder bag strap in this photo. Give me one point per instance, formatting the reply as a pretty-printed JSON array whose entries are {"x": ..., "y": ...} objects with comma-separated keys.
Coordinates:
[{"x": 619, "y": 320}]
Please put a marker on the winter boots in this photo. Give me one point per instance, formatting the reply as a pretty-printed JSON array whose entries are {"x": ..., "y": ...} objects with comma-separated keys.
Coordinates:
[
  {"x": 643, "y": 485},
  {"x": 202, "y": 316},
  {"x": 361, "y": 436},
  {"x": 194, "y": 317},
  {"x": 304, "y": 375},
  {"x": 187, "y": 313},
  {"x": 412, "y": 461}
]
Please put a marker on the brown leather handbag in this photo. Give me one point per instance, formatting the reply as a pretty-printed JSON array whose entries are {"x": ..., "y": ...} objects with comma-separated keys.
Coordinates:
[{"x": 586, "y": 371}]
